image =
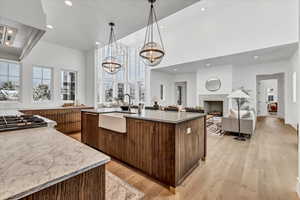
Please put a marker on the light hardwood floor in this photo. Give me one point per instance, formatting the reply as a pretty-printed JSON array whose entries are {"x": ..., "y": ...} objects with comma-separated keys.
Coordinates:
[{"x": 263, "y": 168}]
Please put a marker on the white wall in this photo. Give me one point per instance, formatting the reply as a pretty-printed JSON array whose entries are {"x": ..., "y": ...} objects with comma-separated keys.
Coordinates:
[
  {"x": 58, "y": 58},
  {"x": 90, "y": 77},
  {"x": 225, "y": 28},
  {"x": 161, "y": 78},
  {"x": 224, "y": 73},
  {"x": 169, "y": 80},
  {"x": 245, "y": 76}
]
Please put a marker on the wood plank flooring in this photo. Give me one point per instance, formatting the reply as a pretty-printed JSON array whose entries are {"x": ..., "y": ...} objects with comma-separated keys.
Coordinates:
[{"x": 263, "y": 168}]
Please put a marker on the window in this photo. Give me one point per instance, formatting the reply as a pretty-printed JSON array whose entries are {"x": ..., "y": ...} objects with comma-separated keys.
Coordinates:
[
  {"x": 121, "y": 91},
  {"x": 108, "y": 91},
  {"x": 42, "y": 83},
  {"x": 162, "y": 92},
  {"x": 294, "y": 87},
  {"x": 130, "y": 80},
  {"x": 9, "y": 81},
  {"x": 68, "y": 85}
]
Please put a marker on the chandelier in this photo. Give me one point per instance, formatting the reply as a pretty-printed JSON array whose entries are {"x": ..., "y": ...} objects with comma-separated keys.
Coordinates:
[
  {"x": 112, "y": 61},
  {"x": 152, "y": 52}
]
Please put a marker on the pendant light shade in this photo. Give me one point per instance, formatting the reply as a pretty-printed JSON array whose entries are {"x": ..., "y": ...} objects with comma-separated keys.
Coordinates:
[
  {"x": 152, "y": 52},
  {"x": 112, "y": 61}
]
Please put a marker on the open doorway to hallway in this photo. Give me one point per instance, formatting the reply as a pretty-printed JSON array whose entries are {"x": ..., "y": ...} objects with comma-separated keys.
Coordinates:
[{"x": 270, "y": 95}]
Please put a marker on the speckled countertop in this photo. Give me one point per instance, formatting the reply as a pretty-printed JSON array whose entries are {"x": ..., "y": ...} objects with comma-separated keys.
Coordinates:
[
  {"x": 153, "y": 115},
  {"x": 33, "y": 159}
]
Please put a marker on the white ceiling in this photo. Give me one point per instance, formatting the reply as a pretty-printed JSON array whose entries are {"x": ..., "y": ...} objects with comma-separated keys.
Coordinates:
[
  {"x": 246, "y": 58},
  {"x": 86, "y": 22}
]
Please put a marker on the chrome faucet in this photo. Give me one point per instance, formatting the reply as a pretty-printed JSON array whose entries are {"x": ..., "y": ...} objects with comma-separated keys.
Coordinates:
[{"x": 129, "y": 109}]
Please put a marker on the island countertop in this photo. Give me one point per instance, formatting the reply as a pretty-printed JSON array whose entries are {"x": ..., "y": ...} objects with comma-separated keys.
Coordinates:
[
  {"x": 33, "y": 159},
  {"x": 152, "y": 115}
]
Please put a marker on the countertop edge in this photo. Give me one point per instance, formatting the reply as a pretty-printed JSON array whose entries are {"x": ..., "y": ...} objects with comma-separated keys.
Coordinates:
[
  {"x": 58, "y": 180},
  {"x": 199, "y": 115},
  {"x": 164, "y": 121}
]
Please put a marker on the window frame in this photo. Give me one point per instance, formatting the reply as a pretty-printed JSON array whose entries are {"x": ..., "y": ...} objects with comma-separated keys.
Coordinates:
[
  {"x": 19, "y": 101},
  {"x": 130, "y": 66},
  {"x": 51, "y": 83},
  {"x": 76, "y": 85}
]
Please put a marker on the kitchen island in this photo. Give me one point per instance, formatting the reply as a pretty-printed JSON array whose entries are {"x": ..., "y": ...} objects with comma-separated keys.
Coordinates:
[
  {"x": 42, "y": 163},
  {"x": 165, "y": 145}
]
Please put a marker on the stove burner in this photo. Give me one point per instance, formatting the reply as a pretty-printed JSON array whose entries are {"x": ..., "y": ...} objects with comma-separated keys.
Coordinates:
[{"x": 9, "y": 123}]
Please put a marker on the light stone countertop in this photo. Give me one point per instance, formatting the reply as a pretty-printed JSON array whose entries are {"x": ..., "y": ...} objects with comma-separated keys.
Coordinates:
[
  {"x": 33, "y": 159},
  {"x": 10, "y": 112},
  {"x": 153, "y": 115}
]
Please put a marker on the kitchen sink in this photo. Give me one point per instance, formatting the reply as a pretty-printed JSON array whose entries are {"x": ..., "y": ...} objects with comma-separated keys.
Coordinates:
[{"x": 114, "y": 121}]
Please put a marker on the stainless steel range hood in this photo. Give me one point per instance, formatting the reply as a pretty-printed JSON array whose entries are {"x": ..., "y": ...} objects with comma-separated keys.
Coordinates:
[{"x": 22, "y": 24}]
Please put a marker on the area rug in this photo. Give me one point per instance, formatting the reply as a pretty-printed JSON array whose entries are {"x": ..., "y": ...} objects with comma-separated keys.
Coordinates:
[{"x": 117, "y": 189}]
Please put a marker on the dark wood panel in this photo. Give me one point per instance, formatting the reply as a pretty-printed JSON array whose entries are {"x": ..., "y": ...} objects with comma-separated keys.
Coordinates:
[
  {"x": 189, "y": 146},
  {"x": 163, "y": 151},
  {"x": 89, "y": 185},
  {"x": 68, "y": 119},
  {"x": 139, "y": 142},
  {"x": 90, "y": 134}
]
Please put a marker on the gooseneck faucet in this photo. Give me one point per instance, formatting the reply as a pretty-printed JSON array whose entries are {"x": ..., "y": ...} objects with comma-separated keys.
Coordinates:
[{"x": 129, "y": 109}]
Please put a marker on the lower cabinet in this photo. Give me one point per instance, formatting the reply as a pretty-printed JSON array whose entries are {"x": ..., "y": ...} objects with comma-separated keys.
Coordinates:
[
  {"x": 89, "y": 133},
  {"x": 167, "y": 152}
]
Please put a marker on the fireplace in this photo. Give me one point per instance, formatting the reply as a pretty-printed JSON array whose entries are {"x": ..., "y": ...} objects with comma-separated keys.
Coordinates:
[
  {"x": 215, "y": 102},
  {"x": 214, "y": 107}
]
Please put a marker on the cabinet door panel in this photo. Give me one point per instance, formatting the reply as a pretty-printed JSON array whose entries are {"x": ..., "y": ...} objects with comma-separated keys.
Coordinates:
[{"x": 139, "y": 144}]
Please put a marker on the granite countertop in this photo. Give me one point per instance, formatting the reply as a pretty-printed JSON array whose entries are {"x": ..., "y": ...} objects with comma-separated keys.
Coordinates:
[
  {"x": 33, "y": 159},
  {"x": 153, "y": 115},
  {"x": 56, "y": 108},
  {"x": 10, "y": 112}
]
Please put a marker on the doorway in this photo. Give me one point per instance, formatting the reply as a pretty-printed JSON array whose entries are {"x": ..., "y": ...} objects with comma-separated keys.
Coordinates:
[
  {"x": 181, "y": 93},
  {"x": 270, "y": 95}
]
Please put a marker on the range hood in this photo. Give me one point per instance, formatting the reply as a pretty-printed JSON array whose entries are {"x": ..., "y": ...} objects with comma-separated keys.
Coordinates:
[{"x": 22, "y": 24}]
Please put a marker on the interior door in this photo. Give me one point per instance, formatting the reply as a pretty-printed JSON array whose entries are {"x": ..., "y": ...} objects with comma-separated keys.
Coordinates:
[
  {"x": 262, "y": 100},
  {"x": 181, "y": 93}
]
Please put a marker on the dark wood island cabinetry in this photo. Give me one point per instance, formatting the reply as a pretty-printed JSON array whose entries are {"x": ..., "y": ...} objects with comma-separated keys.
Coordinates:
[{"x": 167, "y": 150}]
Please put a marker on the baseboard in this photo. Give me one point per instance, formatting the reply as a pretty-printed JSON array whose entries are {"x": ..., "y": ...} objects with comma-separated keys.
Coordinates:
[{"x": 298, "y": 187}]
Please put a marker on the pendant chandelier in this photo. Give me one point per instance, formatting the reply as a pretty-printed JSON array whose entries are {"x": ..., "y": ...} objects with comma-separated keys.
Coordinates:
[
  {"x": 152, "y": 52},
  {"x": 112, "y": 61}
]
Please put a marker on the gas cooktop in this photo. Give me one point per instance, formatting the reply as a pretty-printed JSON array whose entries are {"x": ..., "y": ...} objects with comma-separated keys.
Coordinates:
[{"x": 10, "y": 123}]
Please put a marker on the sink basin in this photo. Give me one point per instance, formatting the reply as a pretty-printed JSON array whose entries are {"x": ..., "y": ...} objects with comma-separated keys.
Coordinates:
[{"x": 113, "y": 121}]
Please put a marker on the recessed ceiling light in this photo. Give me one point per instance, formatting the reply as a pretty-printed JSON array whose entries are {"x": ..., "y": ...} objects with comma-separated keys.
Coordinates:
[
  {"x": 203, "y": 9},
  {"x": 68, "y": 3},
  {"x": 256, "y": 57},
  {"x": 7, "y": 43},
  {"x": 208, "y": 65},
  {"x": 10, "y": 31},
  {"x": 175, "y": 69},
  {"x": 50, "y": 26},
  {"x": 97, "y": 43}
]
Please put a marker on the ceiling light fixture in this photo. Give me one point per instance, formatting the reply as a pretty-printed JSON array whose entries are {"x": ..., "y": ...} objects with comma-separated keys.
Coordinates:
[
  {"x": 69, "y": 3},
  {"x": 97, "y": 43},
  {"x": 10, "y": 31},
  {"x": 208, "y": 65},
  {"x": 112, "y": 61},
  {"x": 50, "y": 26},
  {"x": 203, "y": 9},
  {"x": 152, "y": 52},
  {"x": 256, "y": 57}
]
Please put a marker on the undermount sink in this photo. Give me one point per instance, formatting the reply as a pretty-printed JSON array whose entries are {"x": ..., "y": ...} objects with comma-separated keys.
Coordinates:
[{"x": 113, "y": 121}]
